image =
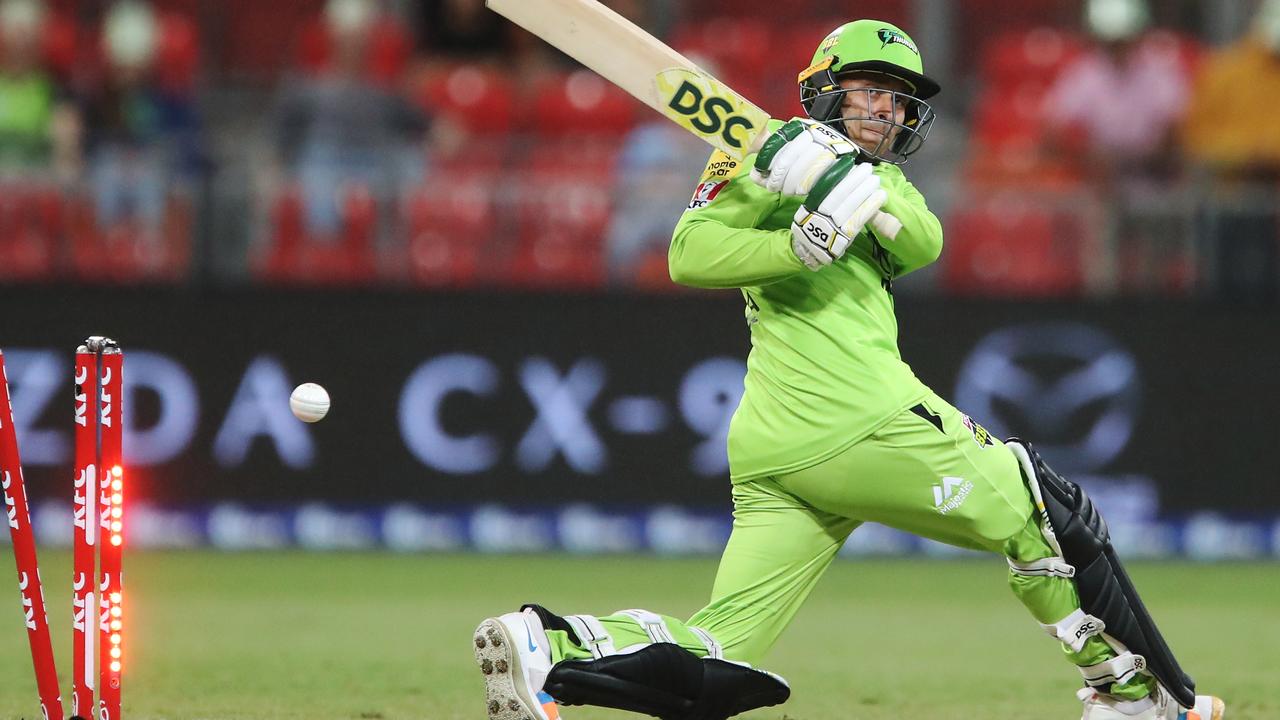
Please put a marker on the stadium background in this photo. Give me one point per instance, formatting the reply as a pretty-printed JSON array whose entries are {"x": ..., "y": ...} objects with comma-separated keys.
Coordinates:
[{"x": 463, "y": 236}]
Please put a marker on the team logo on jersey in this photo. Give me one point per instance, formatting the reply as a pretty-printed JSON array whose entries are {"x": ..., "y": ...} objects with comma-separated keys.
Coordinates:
[
  {"x": 889, "y": 36},
  {"x": 705, "y": 193},
  {"x": 980, "y": 434}
]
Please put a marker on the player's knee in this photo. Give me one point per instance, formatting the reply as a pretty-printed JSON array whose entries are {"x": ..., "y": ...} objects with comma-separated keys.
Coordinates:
[{"x": 1000, "y": 522}]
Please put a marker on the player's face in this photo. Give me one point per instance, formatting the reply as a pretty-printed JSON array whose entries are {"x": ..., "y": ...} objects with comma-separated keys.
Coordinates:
[{"x": 873, "y": 113}]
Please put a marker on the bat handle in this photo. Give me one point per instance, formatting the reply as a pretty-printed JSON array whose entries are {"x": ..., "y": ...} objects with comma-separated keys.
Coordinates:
[{"x": 886, "y": 225}]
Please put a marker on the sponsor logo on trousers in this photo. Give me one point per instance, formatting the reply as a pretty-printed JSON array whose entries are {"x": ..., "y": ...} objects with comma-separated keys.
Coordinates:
[{"x": 951, "y": 493}]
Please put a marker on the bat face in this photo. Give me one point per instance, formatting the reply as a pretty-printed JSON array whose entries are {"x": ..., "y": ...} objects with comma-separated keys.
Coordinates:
[{"x": 709, "y": 109}]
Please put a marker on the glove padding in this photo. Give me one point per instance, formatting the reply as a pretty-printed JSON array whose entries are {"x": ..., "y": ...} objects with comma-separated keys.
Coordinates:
[
  {"x": 793, "y": 158},
  {"x": 844, "y": 199}
]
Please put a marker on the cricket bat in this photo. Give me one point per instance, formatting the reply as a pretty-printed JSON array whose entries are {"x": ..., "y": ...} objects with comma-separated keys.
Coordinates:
[{"x": 653, "y": 73}]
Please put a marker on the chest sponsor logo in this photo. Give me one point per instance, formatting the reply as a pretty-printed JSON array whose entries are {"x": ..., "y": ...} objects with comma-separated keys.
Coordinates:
[{"x": 705, "y": 193}]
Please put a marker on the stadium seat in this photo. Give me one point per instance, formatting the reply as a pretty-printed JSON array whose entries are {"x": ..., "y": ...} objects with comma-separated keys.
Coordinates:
[
  {"x": 1009, "y": 115},
  {"x": 294, "y": 256},
  {"x": 446, "y": 230},
  {"x": 63, "y": 43},
  {"x": 563, "y": 206},
  {"x": 129, "y": 250},
  {"x": 475, "y": 97},
  {"x": 896, "y": 11},
  {"x": 284, "y": 237},
  {"x": 385, "y": 58},
  {"x": 31, "y": 232},
  {"x": 735, "y": 49},
  {"x": 178, "y": 54},
  {"x": 1007, "y": 247},
  {"x": 984, "y": 21},
  {"x": 1026, "y": 57},
  {"x": 452, "y": 221},
  {"x": 580, "y": 104}
]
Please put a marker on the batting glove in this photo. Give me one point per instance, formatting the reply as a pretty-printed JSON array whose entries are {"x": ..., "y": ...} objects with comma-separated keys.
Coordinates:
[
  {"x": 794, "y": 156},
  {"x": 844, "y": 199}
]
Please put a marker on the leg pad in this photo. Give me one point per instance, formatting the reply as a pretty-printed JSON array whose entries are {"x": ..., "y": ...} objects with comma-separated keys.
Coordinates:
[{"x": 668, "y": 682}]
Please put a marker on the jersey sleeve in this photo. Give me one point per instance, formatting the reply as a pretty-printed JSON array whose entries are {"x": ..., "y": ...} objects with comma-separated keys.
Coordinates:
[
  {"x": 919, "y": 243},
  {"x": 717, "y": 242}
]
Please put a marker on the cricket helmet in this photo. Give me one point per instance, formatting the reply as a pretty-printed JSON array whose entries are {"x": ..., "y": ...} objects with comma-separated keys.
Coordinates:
[{"x": 871, "y": 47}]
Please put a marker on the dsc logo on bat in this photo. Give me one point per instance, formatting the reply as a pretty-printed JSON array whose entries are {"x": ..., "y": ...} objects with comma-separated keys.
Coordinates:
[{"x": 701, "y": 104}]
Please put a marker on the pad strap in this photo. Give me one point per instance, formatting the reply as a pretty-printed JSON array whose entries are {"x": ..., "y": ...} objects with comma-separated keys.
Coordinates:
[
  {"x": 592, "y": 634},
  {"x": 1075, "y": 629},
  {"x": 1118, "y": 670},
  {"x": 1050, "y": 566},
  {"x": 653, "y": 625},
  {"x": 714, "y": 650}
]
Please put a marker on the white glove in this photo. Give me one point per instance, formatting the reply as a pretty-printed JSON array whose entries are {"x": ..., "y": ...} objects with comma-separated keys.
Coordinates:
[
  {"x": 796, "y": 154},
  {"x": 844, "y": 199}
]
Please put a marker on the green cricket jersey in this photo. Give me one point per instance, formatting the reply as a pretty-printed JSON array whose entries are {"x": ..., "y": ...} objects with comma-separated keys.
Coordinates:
[{"x": 824, "y": 370}]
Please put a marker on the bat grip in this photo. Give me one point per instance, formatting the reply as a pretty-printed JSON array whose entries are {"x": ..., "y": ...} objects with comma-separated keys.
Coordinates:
[{"x": 886, "y": 225}]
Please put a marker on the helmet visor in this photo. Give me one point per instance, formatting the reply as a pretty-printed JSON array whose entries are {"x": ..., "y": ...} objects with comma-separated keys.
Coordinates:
[{"x": 889, "y": 125}]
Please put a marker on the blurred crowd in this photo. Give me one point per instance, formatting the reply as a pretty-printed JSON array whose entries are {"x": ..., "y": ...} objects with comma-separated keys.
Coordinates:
[{"x": 1091, "y": 147}]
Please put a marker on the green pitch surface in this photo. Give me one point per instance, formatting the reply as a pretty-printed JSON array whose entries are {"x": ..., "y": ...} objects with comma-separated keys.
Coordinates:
[{"x": 373, "y": 636}]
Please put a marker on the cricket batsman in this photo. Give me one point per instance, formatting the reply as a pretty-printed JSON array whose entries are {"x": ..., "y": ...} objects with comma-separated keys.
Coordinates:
[{"x": 835, "y": 430}]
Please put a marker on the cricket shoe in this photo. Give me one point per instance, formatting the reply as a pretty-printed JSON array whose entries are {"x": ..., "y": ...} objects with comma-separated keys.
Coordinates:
[
  {"x": 513, "y": 653},
  {"x": 1160, "y": 705}
]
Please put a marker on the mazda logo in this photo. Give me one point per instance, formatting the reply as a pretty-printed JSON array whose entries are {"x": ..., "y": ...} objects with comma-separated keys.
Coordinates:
[{"x": 1069, "y": 388}]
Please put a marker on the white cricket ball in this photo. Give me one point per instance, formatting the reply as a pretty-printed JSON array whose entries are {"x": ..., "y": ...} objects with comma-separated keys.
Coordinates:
[{"x": 309, "y": 402}]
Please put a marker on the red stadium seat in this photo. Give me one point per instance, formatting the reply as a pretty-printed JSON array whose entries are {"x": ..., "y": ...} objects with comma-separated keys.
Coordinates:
[
  {"x": 582, "y": 104},
  {"x": 294, "y": 256},
  {"x": 984, "y": 22},
  {"x": 735, "y": 49},
  {"x": 385, "y": 58},
  {"x": 178, "y": 55},
  {"x": 31, "y": 232},
  {"x": 1009, "y": 115},
  {"x": 447, "y": 229},
  {"x": 1010, "y": 248},
  {"x": 1023, "y": 57},
  {"x": 285, "y": 237},
  {"x": 894, "y": 11},
  {"x": 474, "y": 97},
  {"x": 130, "y": 250},
  {"x": 452, "y": 221},
  {"x": 63, "y": 44},
  {"x": 563, "y": 209}
]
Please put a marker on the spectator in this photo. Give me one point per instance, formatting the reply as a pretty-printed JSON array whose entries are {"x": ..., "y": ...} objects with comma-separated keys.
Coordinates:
[
  {"x": 1239, "y": 145},
  {"x": 1113, "y": 113},
  {"x": 143, "y": 138},
  {"x": 37, "y": 123},
  {"x": 658, "y": 171},
  {"x": 335, "y": 129},
  {"x": 1241, "y": 152},
  {"x": 1128, "y": 73}
]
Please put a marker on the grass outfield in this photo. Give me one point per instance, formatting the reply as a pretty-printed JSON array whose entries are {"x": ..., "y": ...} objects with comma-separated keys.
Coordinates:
[{"x": 374, "y": 636}]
